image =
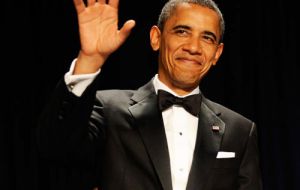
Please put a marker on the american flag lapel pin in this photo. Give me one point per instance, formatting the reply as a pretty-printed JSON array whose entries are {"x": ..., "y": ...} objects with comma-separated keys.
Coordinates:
[{"x": 215, "y": 128}]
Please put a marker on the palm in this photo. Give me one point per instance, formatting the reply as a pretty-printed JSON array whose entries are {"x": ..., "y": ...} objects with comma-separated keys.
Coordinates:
[{"x": 98, "y": 27}]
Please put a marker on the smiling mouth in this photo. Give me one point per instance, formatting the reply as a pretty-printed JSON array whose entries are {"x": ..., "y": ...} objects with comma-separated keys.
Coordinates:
[{"x": 189, "y": 61}]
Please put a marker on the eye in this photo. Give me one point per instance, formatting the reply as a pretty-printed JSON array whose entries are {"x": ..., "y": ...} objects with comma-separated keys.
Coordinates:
[
  {"x": 181, "y": 32},
  {"x": 208, "y": 39}
]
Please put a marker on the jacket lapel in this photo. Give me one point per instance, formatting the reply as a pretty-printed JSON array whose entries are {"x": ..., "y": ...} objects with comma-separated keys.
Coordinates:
[
  {"x": 150, "y": 126},
  {"x": 206, "y": 148}
]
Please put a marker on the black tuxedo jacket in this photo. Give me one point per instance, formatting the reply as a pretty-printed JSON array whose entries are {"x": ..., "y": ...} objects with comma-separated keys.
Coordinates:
[{"x": 121, "y": 133}]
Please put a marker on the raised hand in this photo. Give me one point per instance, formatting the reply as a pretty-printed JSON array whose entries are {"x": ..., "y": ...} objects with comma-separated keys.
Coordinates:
[{"x": 99, "y": 33}]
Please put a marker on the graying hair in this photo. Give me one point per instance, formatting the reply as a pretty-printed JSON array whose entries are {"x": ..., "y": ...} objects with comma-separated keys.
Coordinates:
[{"x": 171, "y": 5}]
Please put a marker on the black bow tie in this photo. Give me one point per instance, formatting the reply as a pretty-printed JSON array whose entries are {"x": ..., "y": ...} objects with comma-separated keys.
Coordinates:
[{"x": 190, "y": 103}]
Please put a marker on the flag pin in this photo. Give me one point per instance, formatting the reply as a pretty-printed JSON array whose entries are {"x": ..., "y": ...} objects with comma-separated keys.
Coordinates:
[{"x": 215, "y": 128}]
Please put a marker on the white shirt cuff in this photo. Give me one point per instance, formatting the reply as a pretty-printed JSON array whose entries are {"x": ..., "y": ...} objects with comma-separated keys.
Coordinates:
[{"x": 78, "y": 83}]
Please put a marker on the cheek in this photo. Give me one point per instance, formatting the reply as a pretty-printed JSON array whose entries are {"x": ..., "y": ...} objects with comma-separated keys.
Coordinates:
[
  {"x": 167, "y": 56},
  {"x": 172, "y": 46}
]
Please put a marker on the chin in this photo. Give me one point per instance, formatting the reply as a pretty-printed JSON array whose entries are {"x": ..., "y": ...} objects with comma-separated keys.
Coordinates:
[{"x": 187, "y": 83}]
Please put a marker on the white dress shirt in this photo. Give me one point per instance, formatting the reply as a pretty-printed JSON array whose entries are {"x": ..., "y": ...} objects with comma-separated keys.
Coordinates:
[
  {"x": 180, "y": 127},
  {"x": 181, "y": 132}
]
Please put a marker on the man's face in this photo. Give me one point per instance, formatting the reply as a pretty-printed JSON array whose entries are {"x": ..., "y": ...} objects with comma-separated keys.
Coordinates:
[{"x": 188, "y": 46}]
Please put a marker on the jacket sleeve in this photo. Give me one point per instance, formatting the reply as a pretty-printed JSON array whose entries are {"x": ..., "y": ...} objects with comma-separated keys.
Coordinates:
[
  {"x": 249, "y": 172},
  {"x": 70, "y": 128}
]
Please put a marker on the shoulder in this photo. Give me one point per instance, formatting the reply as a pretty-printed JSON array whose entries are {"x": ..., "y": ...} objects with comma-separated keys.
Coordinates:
[
  {"x": 114, "y": 96},
  {"x": 229, "y": 116},
  {"x": 118, "y": 96}
]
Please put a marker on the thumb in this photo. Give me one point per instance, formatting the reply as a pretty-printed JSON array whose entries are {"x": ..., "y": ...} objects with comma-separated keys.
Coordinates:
[{"x": 126, "y": 29}]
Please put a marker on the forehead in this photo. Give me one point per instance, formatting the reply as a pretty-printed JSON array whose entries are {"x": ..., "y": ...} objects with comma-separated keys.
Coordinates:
[{"x": 195, "y": 16}]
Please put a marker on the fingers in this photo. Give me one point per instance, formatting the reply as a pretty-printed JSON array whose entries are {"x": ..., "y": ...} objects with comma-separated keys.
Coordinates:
[
  {"x": 126, "y": 29},
  {"x": 79, "y": 5},
  {"x": 91, "y": 2},
  {"x": 114, "y": 3}
]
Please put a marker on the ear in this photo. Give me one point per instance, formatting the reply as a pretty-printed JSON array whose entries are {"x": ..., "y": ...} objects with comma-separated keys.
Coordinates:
[
  {"x": 155, "y": 37},
  {"x": 218, "y": 53}
]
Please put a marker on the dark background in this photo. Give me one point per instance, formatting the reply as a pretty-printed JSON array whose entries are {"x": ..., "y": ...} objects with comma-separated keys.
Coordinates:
[{"x": 257, "y": 76}]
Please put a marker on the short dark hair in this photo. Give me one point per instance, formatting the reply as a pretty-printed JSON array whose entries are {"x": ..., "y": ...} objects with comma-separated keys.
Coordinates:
[{"x": 170, "y": 6}]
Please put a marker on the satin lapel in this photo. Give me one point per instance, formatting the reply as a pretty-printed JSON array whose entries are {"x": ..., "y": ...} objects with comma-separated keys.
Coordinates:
[
  {"x": 206, "y": 148},
  {"x": 150, "y": 125}
]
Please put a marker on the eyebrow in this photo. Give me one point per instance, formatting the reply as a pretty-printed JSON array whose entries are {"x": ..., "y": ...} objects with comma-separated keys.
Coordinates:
[{"x": 189, "y": 28}]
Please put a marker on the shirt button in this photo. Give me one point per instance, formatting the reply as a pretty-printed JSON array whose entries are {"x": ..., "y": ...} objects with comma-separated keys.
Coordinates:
[{"x": 180, "y": 133}]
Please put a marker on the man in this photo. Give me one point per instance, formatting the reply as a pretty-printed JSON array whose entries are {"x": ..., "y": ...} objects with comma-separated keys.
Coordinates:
[{"x": 135, "y": 138}]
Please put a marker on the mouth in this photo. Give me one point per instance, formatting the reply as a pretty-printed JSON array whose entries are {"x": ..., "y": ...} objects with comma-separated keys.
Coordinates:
[{"x": 189, "y": 61}]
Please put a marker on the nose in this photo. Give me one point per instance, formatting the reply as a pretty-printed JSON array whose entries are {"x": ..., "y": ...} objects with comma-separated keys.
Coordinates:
[{"x": 193, "y": 46}]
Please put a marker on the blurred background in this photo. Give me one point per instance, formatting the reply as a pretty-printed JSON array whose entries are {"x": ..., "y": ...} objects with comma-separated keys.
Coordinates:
[{"x": 257, "y": 75}]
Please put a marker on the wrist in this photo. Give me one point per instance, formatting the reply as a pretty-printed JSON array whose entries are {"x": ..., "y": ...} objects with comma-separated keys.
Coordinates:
[{"x": 86, "y": 64}]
